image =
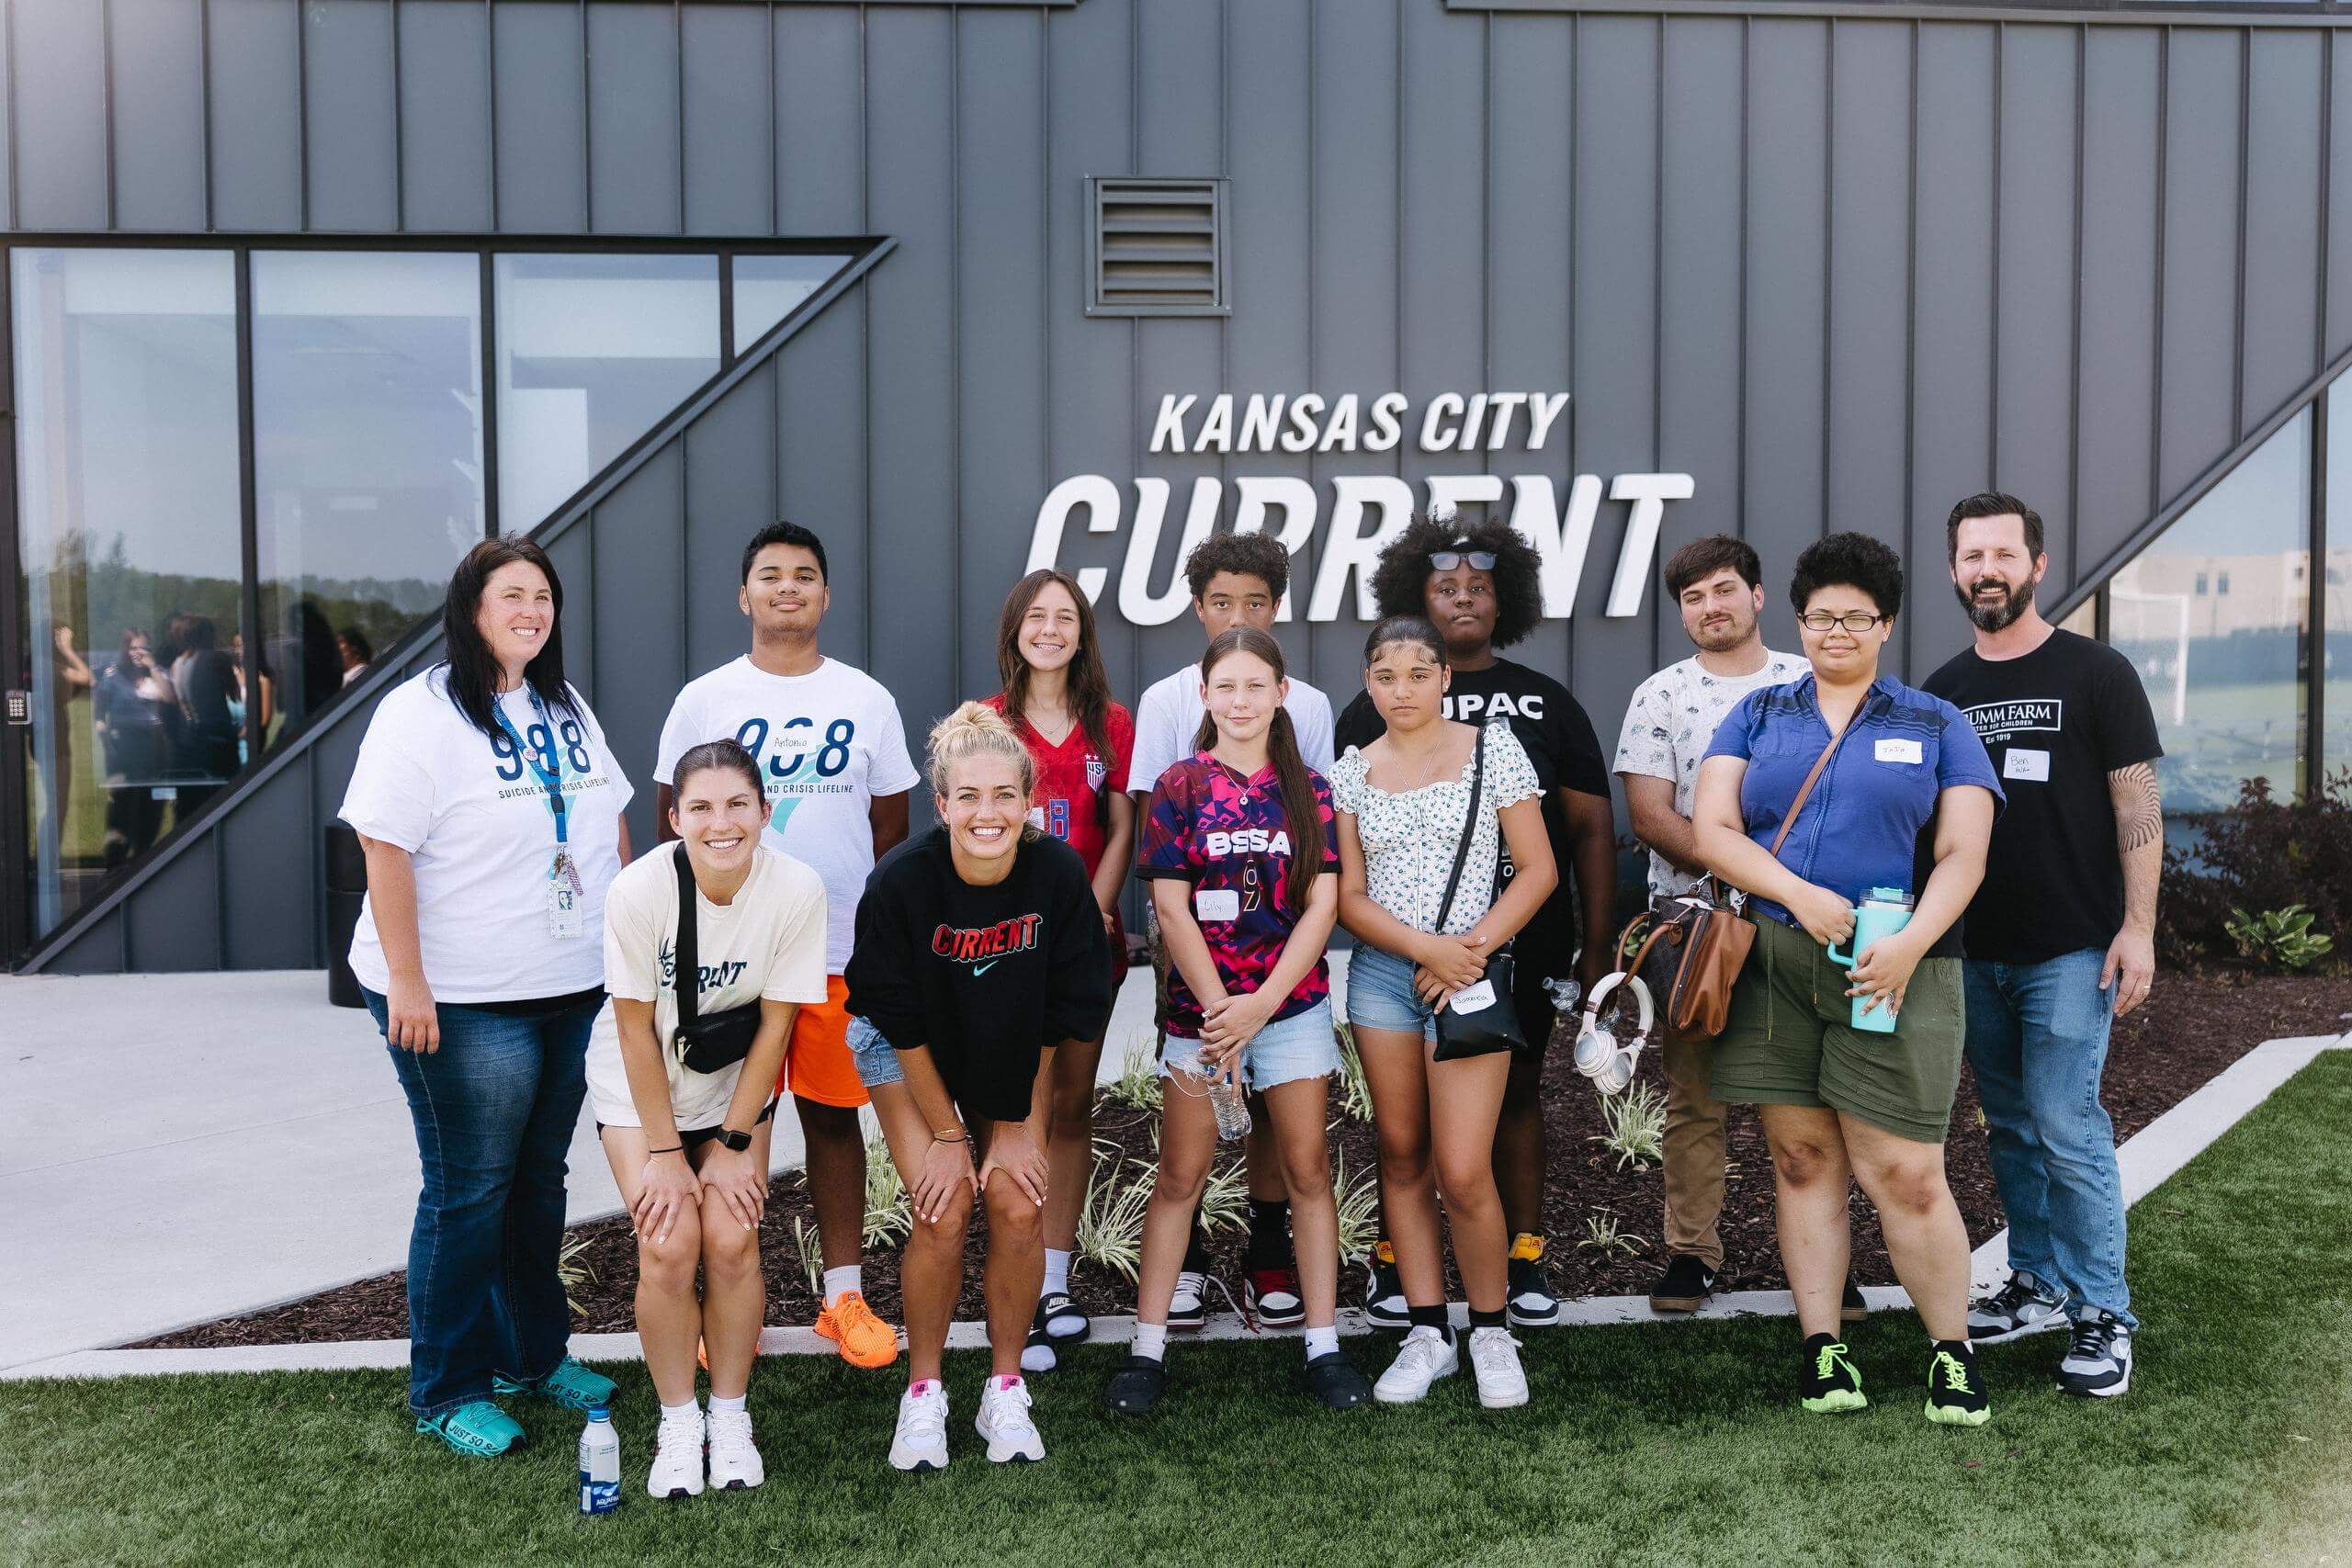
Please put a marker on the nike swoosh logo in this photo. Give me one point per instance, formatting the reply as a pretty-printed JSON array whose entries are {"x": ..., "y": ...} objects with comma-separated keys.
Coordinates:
[{"x": 982, "y": 969}]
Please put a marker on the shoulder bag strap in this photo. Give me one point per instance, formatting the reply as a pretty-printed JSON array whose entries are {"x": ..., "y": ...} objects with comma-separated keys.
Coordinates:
[
  {"x": 1469, "y": 825},
  {"x": 687, "y": 978}
]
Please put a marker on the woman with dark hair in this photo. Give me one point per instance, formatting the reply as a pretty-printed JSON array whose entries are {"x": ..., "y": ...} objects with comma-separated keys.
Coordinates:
[
  {"x": 683, "y": 1104},
  {"x": 137, "y": 713},
  {"x": 1480, "y": 584},
  {"x": 1841, "y": 788},
  {"x": 489, "y": 811},
  {"x": 1057, "y": 698}
]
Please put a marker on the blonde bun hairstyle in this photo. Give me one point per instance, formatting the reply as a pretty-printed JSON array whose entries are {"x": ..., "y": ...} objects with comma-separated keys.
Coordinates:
[{"x": 973, "y": 730}]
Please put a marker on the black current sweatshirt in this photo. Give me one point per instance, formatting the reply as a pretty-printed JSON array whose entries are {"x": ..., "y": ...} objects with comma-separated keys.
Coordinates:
[{"x": 987, "y": 977}]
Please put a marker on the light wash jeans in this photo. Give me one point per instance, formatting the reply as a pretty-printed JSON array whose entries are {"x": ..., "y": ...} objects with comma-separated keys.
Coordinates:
[{"x": 2037, "y": 1039}]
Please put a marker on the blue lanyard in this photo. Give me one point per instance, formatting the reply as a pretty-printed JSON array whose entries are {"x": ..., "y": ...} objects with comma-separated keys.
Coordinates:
[{"x": 552, "y": 780}]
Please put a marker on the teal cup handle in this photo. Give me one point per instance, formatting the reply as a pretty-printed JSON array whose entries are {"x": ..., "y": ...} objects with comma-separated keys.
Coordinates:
[{"x": 1846, "y": 960}]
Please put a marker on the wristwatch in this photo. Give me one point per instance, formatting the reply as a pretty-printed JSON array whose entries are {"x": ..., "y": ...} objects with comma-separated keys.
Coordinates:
[{"x": 734, "y": 1140}]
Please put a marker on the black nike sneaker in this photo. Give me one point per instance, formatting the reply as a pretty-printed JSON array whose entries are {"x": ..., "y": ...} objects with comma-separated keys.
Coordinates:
[
  {"x": 1832, "y": 1382},
  {"x": 1383, "y": 1290},
  {"x": 1851, "y": 1308},
  {"x": 1531, "y": 1304},
  {"x": 1955, "y": 1388},
  {"x": 2018, "y": 1307},
  {"x": 2098, "y": 1358},
  {"x": 1685, "y": 1285}
]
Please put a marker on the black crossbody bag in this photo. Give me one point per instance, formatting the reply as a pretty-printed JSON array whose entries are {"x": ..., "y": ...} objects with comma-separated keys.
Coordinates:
[
  {"x": 1495, "y": 1026},
  {"x": 712, "y": 1044}
]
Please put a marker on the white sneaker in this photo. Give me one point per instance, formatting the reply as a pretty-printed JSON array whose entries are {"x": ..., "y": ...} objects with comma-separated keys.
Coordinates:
[
  {"x": 1427, "y": 1355},
  {"x": 1189, "y": 1308},
  {"x": 1004, "y": 1421},
  {"x": 1493, "y": 1362},
  {"x": 921, "y": 1441},
  {"x": 677, "y": 1456},
  {"x": 734, "y": 1456}
]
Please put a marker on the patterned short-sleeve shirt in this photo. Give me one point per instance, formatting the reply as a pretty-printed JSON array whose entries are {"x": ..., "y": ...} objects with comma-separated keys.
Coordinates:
[
  {"x": 1673, "y": 716},
  {"x": 1408, "y": 840}
]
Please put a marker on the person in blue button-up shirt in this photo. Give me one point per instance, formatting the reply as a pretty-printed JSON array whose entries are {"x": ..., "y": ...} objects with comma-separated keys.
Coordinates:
[{"x": 1906, "y": 802}]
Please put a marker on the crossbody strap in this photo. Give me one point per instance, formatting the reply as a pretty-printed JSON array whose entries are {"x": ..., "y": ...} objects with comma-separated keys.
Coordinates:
[
  {"x": 687, "y": 980},
  {"x": 1469, "y": 827}
]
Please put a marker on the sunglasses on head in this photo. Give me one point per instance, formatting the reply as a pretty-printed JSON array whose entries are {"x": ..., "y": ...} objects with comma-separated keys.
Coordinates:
[{"x": 1476, "y": 560}]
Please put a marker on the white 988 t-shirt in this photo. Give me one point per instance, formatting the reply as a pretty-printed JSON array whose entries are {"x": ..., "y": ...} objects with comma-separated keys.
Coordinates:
[{"x": 474, "y": 818}]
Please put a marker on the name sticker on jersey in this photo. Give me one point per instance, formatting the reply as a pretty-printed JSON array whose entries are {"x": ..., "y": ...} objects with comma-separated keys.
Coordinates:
[
  {"x": 1897, "y": 748},
  {"x": 1217, "y": 904},
  {"x": 2020, "y": 763}
]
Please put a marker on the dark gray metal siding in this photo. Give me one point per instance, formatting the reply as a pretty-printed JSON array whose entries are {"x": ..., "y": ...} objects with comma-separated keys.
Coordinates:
[{"x": 1841, "y": 270}]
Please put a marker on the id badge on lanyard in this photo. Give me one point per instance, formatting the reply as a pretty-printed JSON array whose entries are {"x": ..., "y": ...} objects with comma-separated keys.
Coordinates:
[{"x": 566, "y": 895}]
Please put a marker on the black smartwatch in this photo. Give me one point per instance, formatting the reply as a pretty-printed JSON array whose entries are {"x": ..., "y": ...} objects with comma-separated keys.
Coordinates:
[{"x": 734, "y": 1140}]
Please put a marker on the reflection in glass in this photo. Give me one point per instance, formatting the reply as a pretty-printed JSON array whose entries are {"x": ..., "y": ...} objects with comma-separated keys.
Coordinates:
[
  {"x": 368, "y": 454},
  {"x": 770, "y": 287},
  {"x": 2211, "y": 614},
  {"x": 592, "y": 352},
  {"x": 2335, "y": 704},
  {"x": 126, "y": 375}
]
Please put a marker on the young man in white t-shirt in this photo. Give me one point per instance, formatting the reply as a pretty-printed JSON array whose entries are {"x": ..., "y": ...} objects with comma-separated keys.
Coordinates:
[
  {"x": 1717, "y": 585},
  {"x": 1238, "y": 580},
  {"x": 832, "y": 753}
]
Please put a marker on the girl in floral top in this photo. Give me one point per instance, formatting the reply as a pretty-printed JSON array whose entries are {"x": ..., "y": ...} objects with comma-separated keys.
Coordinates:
[{"x": 1401, "y": 803}]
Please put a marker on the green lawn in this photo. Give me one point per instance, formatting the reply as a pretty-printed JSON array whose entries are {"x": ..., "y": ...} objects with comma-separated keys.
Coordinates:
[{"x": 1668, "y": 1445}]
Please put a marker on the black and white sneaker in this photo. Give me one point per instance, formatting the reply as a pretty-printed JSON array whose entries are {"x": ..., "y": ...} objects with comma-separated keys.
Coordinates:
[
  {"x": 1383, "y": 1294},
  {"x": 1684, "y": 1286},
  {"x": 2097, "y": 1364},
  {"x": 1188, "y": 1309},
  {"x": 2022, "y": 1307},
  {"x": 1531, "y": 1304},
  {"x": 1851, "y": 1308}
]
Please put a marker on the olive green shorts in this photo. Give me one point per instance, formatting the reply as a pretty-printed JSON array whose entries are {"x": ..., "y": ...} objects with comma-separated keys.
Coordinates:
[{"x": 1789, "y": 1039}]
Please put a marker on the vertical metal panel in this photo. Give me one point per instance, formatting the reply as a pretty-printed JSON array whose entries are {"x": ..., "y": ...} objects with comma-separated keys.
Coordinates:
[
  {"x": 819, "y": 438},
  {"x": 1001, "y": 325},
  {"x": 820, "y": 121},
  {"x": 2337, "y": 197},
  {"x": 730, "y": 177},
  {"x": 270, "y": 897},
  {"x": 1441, "y": 198},
  {"x": 97, "y": 951},
  {"x": 2282, "y": 220},
  {"x": 541, "y": 129},
  {"x": 2197, "y": 421},
  {"x": 1869, "y": 284},
  {"x": 633, "y": 126},
  {"x": 444, "y": 115},
  {"x": 60, "y": 113},
  {"x": 2033, "y": 439},
  {"x": 176, "y": 927},
  {"x": 254, "y": 91},
  {"x": 730, "y": 495},
  {"x": 2122, "y": 132},
  {"x": 910, "y": 132},
  {"x": 573, "y": 555},
  {"x": 158, "y": 108},
  {"x": 348, "y": 103},
  {"x": 639, "y": 593},
  {"x": 1952, "y": 326}
]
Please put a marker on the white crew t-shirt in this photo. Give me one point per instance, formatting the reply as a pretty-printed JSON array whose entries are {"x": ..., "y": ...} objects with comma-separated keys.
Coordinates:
[
  {"x": 1169, "y": 718},
  {"x": 474, "y": 818},
  {"x": 1673, "y": 717},
  {"x": 765, "y": 944},
  {"x": 828, "y": 742}
]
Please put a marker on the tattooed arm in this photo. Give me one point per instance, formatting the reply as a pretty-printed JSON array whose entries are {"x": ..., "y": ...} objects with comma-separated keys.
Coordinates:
[{"x": 2139, "y": 840}]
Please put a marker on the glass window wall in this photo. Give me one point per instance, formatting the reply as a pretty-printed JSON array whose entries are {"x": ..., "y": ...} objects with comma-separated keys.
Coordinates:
[
  {"x": 2336, "y": 647},
  {"x": 770, "y": 287}
]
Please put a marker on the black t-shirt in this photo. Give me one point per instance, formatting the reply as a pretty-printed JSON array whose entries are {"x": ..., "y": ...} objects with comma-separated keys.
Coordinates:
[
  {"x": 2056, "y": 721},
  {"x": 1557, "y": 734}
]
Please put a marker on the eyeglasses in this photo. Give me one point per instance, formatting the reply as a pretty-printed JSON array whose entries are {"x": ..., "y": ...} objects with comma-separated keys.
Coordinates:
[
  {"x": 1476, "y": 560},
  {"x": 1855, "y": 621}
]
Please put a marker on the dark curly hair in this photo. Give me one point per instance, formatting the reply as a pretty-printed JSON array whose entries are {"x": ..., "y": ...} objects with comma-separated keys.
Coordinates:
[
  {"x": 1855, "y": 561},
  {"x": 1400, "y": 581},
  {"x": 1261, "y": 556}
]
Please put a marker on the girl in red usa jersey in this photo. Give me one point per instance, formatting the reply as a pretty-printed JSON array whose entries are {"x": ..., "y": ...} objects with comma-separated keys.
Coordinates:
[
  {"x": 1059, "y": 699},
  {"x": 1241, "y": 854}
]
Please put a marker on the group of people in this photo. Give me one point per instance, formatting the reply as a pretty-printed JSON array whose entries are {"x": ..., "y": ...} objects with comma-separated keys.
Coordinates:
[{"x": 1454, "y": 819}]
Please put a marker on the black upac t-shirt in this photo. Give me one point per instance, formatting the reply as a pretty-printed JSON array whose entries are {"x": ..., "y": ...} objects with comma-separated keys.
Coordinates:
[
  {"x": 1551, "y": 726},
  {"x": 2057, "y": 722}
]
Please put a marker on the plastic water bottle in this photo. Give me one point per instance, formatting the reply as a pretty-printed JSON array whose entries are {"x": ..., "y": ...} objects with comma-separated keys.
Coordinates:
[
  {"x": 600, "y": 1463},
  {"x": 1232, "y": 1111},
  {"x": 1565, "y": 995}
]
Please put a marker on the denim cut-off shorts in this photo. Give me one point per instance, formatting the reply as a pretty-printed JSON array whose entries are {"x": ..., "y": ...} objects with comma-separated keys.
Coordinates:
[
  {"x": 1381, "y": 994},
  {"x": 1299, "y": 1046},
  {"x": 876, "y": 1058}
]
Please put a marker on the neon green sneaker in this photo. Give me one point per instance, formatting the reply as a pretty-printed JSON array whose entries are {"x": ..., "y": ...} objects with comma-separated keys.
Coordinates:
[
  {"x": 1955, "y": 1388},
  {"x": 478, "y": 1430},
  {"x": 1832, "y": 1382},
  {"x": 571, "y": 1385}
]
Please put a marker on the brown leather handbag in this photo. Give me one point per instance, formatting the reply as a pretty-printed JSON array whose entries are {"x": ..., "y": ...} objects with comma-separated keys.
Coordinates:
[{"x": 1708, "y": 935}]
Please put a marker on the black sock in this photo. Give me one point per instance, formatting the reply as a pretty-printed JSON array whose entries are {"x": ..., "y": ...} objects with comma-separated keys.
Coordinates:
[
  {"x": 1430, "y": 1317},
  {"x": 1487, "y": 1319},
  {"x": 1268, "y": 1233},
  {"x": 1196, "y": 1250}
]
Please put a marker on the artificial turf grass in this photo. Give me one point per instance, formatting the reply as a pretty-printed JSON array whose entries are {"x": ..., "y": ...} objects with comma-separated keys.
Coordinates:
[{"x": 1666, "y": 1444}]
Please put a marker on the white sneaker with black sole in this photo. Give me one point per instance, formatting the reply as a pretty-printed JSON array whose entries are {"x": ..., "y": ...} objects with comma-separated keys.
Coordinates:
[
  {"x": 1426, "y": 1356},
  {"x": 1494, "y": 1363},
  {"x": 1189, "y": 1308},
  {"x": 921, "y": 1441},
  {"x": 1384, "y": 1295},
  {"x": 2022, "y": 1306},
  {"x": 735, "y": 1464},
  {"x": 2097, "y": 1363},
  {"x": 1004, "y": 1421},
  {"x": 1531, "y": 1304},
  {"x": 678, "y": 1455}
]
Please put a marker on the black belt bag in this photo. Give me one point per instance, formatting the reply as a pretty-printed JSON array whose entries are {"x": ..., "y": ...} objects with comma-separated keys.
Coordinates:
[
  {"x": 1493, "y": 1024},
  {"x": 712, "y": 1043}
]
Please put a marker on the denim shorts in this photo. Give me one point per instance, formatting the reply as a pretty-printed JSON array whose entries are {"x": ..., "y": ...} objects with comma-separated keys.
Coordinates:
[
  {"x": 1299, "y": 1046},
  {"x": 876, "y": 1058},
  {"x": 1381, "y": 994}
]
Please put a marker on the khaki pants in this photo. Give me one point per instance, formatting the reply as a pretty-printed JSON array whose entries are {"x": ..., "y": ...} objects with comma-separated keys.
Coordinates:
[{"x": 1694, "y": 1153}]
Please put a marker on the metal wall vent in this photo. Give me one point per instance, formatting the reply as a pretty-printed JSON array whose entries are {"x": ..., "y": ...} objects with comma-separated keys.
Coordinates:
[{"x": 1156, "y": 248}]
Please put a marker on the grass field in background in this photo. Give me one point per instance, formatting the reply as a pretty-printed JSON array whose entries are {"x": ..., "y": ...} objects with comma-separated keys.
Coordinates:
[{"x": 1669, "y": 1444}]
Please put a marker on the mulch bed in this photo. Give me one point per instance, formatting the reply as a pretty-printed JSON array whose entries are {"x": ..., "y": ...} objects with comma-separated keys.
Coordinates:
[{"x": 2196, "y": 1026}]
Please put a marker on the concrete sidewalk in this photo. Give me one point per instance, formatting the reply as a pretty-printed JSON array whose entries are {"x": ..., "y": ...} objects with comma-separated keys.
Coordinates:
[{"x": 185, "y": 1148}]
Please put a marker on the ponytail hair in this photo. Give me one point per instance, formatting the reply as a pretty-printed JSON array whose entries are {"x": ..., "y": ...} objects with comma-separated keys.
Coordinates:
[
  {"x": 1302, "y": 813},
  {"x": 973, "y": 730}
]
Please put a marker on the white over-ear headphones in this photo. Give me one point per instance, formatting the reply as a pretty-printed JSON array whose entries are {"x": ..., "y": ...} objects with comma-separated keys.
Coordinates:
[{"x": 1598, "y": 1055}]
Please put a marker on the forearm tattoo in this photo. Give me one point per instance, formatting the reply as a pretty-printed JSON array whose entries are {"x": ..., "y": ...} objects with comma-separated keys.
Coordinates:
[{"x": 2139, "y": 813}]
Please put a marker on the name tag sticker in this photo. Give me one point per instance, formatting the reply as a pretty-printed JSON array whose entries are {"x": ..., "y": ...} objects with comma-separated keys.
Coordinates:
[
  {"x": 2018, "y": 763},
  {"x": 1895, "y": 750},
  {"x": 1217, "y": 904},
  {"x": 1474, "y": 999}
]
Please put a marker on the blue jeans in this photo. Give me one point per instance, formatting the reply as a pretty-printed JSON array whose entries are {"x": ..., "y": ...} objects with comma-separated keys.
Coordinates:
[
  {"x": 2037, "y": 1038},
  {"x": 494, "y": 1108}
]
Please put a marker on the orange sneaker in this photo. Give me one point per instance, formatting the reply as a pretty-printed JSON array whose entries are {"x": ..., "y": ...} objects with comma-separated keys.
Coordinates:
[{"x": 866, "y": 1341}]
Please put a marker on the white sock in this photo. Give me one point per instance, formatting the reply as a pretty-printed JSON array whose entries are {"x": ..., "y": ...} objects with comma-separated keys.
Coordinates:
[
  {"x": 1150, "y": 1341},
  {"x": 719, "y": 1403},
  {"x": 1056, "y": 1271},
  {"x": 1322, "y": 1341},
  {"x": 840, "y": 1280},
  {"x": 688, "y": 1408}
]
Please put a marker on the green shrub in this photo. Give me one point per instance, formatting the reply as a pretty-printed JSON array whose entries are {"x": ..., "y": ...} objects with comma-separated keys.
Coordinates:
[
  {"x": 2262, "y": 853},
  {"x": 2278, "y": 939}
]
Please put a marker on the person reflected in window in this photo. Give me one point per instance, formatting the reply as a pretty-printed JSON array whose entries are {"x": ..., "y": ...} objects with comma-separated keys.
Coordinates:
[
  {"x": 71, "y": 678},
  {"x": 210, "y": 697},
  {"x": 356, "y": 650},
  {"x": 136, "y": 714}
]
